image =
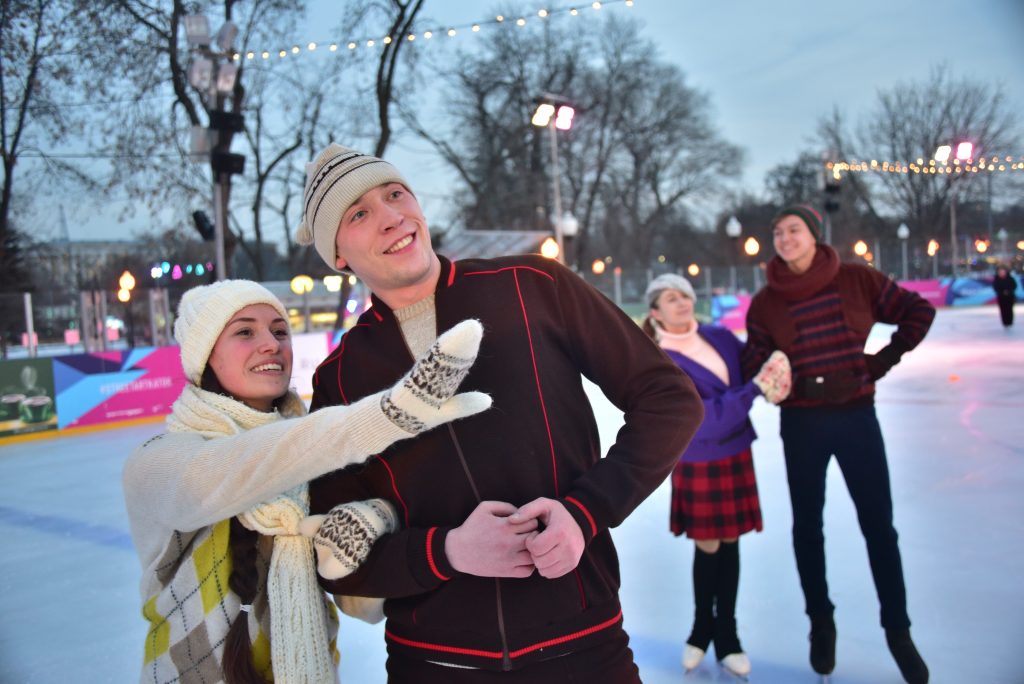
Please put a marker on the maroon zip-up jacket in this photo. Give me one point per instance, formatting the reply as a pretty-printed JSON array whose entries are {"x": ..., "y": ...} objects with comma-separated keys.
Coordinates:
[{"x": 543, "y": 327}]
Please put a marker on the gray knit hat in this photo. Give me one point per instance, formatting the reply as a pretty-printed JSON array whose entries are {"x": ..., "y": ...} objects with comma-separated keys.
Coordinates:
[
  {"x": 668, "y": 281},
  {"x": 334, "y": 181},
  {"x": 205, "y": 310}
]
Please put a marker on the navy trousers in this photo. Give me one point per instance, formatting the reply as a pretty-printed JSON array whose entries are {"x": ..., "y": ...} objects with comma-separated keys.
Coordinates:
[{"x": 811, "y": 436}]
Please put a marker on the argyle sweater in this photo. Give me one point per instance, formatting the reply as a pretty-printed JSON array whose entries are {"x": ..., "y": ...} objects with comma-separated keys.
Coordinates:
[
  {"x": 824, "y": 332},
  {"x": 544, "y": 330},
  {"x": 183, "y": 487}
]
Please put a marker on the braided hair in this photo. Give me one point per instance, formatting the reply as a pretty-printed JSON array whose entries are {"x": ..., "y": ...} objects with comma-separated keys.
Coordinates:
[{"x": 238, "y": 664}]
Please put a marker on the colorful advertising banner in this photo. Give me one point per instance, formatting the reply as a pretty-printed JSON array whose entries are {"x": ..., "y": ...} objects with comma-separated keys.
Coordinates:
[
  {"x": 730, "y": 311},
  {"x": 26, "y": 397},
  {"x": 107, "y": 387}
]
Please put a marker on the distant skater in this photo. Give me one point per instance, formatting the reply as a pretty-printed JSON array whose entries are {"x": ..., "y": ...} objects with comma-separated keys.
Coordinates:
[
  {"x": 819, "y": 312},
  {"x": 1006, "y": 294}
]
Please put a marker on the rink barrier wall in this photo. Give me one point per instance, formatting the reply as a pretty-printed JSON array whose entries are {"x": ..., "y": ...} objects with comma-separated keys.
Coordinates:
[{"x": 77, "y": 393}]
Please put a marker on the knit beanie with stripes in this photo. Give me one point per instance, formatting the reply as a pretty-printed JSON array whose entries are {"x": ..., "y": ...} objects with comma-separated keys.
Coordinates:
[
  {"x": 334, "y": 181},
  {"x": 805, "y": 213}
]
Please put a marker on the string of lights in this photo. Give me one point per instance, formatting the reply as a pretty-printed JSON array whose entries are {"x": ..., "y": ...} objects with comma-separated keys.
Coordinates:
[
  {"x": 428, "y": 34},
  {"x": 992, "y": 164}
]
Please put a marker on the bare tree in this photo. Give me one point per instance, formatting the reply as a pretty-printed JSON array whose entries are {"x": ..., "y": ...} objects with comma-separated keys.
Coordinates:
[
  {"x": 909, "y": 123},
  {"x": 642, "y": 143}
]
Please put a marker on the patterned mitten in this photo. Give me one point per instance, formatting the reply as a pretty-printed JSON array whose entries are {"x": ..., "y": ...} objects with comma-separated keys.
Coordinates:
[
  {"x": 344, "y": 536},
  {"x": 425, "y": 397},
  {"x": 775, "y": 377}
]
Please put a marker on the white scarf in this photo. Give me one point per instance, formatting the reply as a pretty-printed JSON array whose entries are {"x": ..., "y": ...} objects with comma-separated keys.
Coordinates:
[{"x": 299, "y": 641}]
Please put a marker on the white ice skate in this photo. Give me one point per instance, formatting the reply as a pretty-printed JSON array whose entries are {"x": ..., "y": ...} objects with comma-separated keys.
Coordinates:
[
  {"x": 692, "y": 657},
  {"x": 736, "y": 664}
]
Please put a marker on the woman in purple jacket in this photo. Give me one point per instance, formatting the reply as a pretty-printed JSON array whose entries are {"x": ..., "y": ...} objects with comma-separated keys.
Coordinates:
[{"x": 714, "y": 490}]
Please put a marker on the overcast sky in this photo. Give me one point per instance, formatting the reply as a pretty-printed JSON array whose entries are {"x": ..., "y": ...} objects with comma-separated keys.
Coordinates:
[{"x": 771, "y": 69}]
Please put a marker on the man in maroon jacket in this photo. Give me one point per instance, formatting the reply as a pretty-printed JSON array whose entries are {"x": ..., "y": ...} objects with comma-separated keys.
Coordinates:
[
  {"x": 819, "y": 312},
  {"x": 504, "y": 566}
]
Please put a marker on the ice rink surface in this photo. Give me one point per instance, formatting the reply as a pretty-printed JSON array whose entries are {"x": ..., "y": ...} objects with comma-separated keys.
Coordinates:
[{"x": 953, "y": 418}]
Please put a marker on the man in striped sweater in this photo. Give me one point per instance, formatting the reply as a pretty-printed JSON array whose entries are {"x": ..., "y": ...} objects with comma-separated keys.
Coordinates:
[{"x": 819, "y": 312}]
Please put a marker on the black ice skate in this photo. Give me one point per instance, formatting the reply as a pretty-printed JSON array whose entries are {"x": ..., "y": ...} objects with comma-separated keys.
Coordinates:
[
  {"x": 910, "y": 662},
  {"x": 823, "y": 645}
]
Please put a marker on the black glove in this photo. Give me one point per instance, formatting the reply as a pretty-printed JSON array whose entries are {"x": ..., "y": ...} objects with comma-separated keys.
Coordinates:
[{"x": 880, "y": 363}]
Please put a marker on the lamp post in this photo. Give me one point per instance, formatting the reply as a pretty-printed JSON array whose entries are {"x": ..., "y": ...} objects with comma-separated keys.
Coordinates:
[
  {"x": 751, "y": 247},
  {"x": 552, "y": 112},
  {"x": 933, "y": 251},
  {"x": 903, "y": 233},
  {"x": 127, "y": 284},
  {"x": 964, "y": 152},
  {"x": 214, "y": 75},
  {"x": 303, "y": 285},
  {"x": 733, "y": 228},
  {"x": 1002, "y": 235}
]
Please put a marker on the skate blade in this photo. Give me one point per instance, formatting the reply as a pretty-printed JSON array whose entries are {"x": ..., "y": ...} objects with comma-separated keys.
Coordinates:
[{"x": 734, "y": 674}]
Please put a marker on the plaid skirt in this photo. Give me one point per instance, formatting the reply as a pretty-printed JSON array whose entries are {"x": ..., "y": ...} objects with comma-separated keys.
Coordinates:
[{"x": 715, "y": 499}]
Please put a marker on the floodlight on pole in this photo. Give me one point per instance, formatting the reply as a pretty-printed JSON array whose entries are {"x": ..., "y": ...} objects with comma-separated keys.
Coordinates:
[
  {"x": 214, "y": 74},
  {"x": 964, "y": 152},
  {"x": 197, "y": 29},
  {"x": 553, "y": 113}
]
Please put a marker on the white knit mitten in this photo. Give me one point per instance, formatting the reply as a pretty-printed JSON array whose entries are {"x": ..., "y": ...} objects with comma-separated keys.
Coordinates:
[
  {"x": 344, "y": 536},
  {"x": 425, "y": 397},
  {"x": 775, "y": 377}
]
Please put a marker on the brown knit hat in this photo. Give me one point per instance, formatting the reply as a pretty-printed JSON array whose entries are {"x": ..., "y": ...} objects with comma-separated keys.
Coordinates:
[{"x": 807, "y": 214}]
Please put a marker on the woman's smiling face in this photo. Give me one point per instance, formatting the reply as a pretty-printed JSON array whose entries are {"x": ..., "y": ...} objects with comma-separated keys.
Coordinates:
[{"x": 252, "y": 357}]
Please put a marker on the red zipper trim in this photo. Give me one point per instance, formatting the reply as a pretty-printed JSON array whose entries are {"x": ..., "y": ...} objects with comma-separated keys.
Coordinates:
[
  {"x": 497, "y": 655},
  {"x": 536, "y": 377}
]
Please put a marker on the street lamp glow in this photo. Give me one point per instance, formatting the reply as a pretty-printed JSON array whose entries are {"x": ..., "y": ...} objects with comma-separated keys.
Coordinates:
[
  {"x": 563, "y": 121},
  {"x": 1020, "y": 244},
  {"x": 933, "y": 247},
  {"x": 751, "y": 247},
  {"x": 156, "y": 272},
  {"x": 123, "y": 295},
  {"x": 964, "y": 150},
  {"x": 981, "y": 246},
  {"x": 333, "y": 283},
  {"x": 597, "y": 267},
  {"x": 942, "y": 153},
  {"x": 301, "y": 284},
  {"x": 126, "y": 281},
  {"x": 693, "y": 270},
  {"x": 542, "y": 117},
  {"x": 549, "y": 248},
  {"x": 860, "y": 248}
]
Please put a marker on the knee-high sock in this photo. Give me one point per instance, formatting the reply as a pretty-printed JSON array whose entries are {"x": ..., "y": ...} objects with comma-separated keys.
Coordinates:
[
  {"x": 726, "y": 586},
  {"x": 705, "y": 569}
]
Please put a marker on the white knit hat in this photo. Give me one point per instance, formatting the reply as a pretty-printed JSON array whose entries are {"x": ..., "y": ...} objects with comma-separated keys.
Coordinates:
[
  {"x": 337, "y": 178},
  {"x": 205, "y": 310},
  {"x": 668, "y": 281}
]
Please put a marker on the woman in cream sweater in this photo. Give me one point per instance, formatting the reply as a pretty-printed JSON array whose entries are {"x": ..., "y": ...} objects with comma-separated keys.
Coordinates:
[{"x": 218, "y": 504}]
